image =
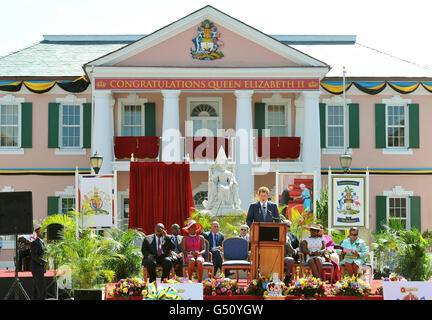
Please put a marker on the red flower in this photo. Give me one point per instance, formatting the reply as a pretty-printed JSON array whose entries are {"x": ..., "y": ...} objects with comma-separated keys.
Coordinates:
[
  {"x": 218, "y": 291},
  {"x": 229, "y": 292}
]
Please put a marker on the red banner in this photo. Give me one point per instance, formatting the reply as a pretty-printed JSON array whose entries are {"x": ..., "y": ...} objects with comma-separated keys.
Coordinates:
[{"x": 205, "y": 84}]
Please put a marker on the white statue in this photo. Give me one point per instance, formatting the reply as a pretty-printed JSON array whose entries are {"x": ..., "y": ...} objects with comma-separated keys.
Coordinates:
[{"x": 222, "y": 186}]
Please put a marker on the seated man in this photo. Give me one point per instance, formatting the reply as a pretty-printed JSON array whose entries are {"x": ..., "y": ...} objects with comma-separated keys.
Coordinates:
[
  {"x": 291, "y": 252},
  {"x": 215, "y": 239},
  {"x": 156, "y": 249},
  {"x": 176, "y": 254}
]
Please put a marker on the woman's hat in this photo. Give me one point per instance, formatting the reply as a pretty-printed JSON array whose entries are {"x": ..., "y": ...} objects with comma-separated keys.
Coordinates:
[
  {"x": 190, "y": 224},
  {"x": 314, "y": 226}
]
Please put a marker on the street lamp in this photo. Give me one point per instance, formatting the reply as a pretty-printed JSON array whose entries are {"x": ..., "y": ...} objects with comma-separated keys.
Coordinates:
[
  {"x": 345, "y": 161},
  {"x": 96, "y": 162}
]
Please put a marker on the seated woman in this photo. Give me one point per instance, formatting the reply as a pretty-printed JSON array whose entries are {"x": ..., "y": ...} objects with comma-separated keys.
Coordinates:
[
  {"x": 313, "y": 247},
  {"x": 354, "y": 253},
  {"x": 193, "y": 247},
  {"x": 330, "y": 253}
]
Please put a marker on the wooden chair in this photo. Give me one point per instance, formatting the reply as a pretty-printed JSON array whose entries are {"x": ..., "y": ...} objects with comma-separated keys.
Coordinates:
[
  {"x": 208, "y": 264},
  {"x": 236, "y": 256}
]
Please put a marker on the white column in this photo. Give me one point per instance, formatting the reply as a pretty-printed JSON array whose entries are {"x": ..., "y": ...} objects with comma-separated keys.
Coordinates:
[
  {"x": 171, "y": 144},
  {"x": 102, "y": 129},
  {"x": 299, "y": 119},
  {"x": 243, "y": 158},
  {"x": 311, "y": 135}
]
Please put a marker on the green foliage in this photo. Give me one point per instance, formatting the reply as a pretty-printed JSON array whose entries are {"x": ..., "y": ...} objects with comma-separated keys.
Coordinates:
[
  {"x": 126, "y": 256},
  {"x": 229, "y": 224},
  {"x": 321, "y": 208},
  {"x": 299, "y": 222},
  {"x": 412, "y": 260}
]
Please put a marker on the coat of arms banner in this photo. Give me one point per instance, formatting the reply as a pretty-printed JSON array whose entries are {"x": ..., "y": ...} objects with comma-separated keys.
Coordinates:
[{"x": 348, "y": 201}]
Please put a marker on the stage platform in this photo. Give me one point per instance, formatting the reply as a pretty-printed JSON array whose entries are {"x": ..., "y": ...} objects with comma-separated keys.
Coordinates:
[{"x": 7, "y": 278}]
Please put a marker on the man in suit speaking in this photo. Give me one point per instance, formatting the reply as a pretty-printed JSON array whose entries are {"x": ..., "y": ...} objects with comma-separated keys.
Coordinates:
[{"x": 263, "y": 210}]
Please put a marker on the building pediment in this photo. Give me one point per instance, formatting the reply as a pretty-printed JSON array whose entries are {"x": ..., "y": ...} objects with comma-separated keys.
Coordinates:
[{"x": 178, "y": 45}]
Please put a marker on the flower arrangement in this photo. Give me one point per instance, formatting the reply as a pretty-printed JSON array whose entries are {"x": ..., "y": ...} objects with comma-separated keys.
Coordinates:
[
  {"x": 391, "y": 277},
  {"x": 307, "y": 288},
  {"x": 130, "y": 287},
  {"x": 353, "y": 286},
  {"x": 176, "y": 279},
  {"x": 258, "y": 287},
  {"x": 221, "y": 287}
]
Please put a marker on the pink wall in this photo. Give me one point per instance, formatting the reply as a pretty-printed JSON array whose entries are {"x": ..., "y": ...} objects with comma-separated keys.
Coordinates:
[
  {"x": 238, "y": 52},
  {"x": 40, "y": 156}
]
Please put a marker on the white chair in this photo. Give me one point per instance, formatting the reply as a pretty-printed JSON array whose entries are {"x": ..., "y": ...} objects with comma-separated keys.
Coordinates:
[{"x": 367, "y": 269}]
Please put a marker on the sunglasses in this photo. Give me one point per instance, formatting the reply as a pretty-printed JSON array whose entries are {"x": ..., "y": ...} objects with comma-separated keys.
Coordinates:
[
  {"x": 354, "y": 235},
  {"x": 243, "y": 229}
]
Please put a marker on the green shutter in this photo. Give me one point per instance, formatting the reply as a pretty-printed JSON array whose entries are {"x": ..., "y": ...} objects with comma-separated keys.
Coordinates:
[
  {"x": 260, "y": 117},
  {"x": 415, "y": 211},
  {"x": 53, "y": 124},
  {"x": 53, "y": 205},
  {"x": 414, "y": 139},
  {"x": 354, "y": 125},
  {"x": 87, "y": 125},
  {"x": 322, "y": 114},
  {"x": 26, "y": 124},
  {"x": 150, "y": 119},
  {"x": 381, "y": 212},
  {"x": 380, "y": 126}
]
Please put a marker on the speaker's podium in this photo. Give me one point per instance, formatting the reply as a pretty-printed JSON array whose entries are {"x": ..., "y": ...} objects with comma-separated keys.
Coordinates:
[{"x": 267, "y": 248}]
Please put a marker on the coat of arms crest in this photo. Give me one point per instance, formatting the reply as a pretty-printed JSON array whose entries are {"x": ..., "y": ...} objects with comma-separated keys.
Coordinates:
[{"x": 207, "y": 42}]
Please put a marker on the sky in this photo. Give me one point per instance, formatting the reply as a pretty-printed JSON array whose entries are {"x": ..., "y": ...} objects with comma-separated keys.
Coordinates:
[{"x": 398, "y": 27}]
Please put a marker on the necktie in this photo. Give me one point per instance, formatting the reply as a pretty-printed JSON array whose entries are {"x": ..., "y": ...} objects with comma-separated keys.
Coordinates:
[
  {"x": 159, "y": 250},
  {"x": 176, "y": 244},
  {"x": 264, "y": 212},
  {"x": 214, "y": 240}
]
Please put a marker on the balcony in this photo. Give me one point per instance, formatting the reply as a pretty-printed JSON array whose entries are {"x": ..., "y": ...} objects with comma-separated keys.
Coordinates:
[{"x": 284, "y": 152}]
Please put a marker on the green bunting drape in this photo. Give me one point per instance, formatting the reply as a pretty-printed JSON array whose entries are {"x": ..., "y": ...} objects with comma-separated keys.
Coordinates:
[
  {"x": 78, "y": 85},
  {"x": 375, "y": 87}
]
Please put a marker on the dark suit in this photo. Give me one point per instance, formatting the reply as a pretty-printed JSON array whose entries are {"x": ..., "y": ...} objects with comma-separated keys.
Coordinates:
[
  {"x": 256, "y": 214},
  {"x": 151, "y": 258},
  {"x": 285, "y": 200},
  {"x": 176, "y": 257},
  {"x": 216, "y": 253},
  {"x": 37, "y": 267},
  {"x": 291, "y": 255}
]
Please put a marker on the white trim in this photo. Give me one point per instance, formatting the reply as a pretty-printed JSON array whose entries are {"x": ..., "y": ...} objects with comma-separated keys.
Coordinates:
[
  {"x": 131, "y": 99},
  {"x": 336, "y": 101},
  {"x": 335, "y": 151},
  {"x": 68, "y": 192},
  {"x": 276, "y": 99},
  {"x": 12, "y": 100},
  {"x": 8, "y": 189},
  {"x": 220, "y": 19},
  {"x": 204, "y": 99},
  {"x": 398, "y": 151},
  {"x": 398, "y": 191},
  {"x": 71, "y": 100},
  {"x": 407, "y": 212},
  {"x": 395, "y": 101}
]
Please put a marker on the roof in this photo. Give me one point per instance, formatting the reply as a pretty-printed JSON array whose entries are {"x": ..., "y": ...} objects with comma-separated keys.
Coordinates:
[{"x": 65, "y": 55}]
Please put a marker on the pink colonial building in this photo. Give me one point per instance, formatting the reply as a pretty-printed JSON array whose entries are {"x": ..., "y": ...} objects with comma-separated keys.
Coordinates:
[{"x": 209, "y": 77}]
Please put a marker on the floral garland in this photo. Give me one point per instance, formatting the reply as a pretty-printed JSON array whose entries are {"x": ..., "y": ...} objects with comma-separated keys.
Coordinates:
[
  {"x": 353, "y": 286},
  {"x": 221, "y": 287},
  {"x": 130, "y": 287},
  {"x": 308, "y": 288}
]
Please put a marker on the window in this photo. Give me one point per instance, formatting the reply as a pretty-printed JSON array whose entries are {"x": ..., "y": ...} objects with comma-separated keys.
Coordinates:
[
  {"x": 9, "y": 125},
  {"x": 276, "y": 122},
  {"x": 133, "y": 120},
  {"x": 123, "y": 216},
  {"x": 205, "y": 116},
  {"x": 397, "y": 126},
  {"x": 278, "y": 115},
  {"x": 335, "y": 126},
  {"x": 70, "y": 127},
  {"x": 67, "y": 204},
  {"x": 397, "y": 210}
]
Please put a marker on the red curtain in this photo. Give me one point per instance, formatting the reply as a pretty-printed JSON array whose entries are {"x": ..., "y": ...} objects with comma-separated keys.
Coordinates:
[
  {"x": 282, "y": 148},
  {"x": 159, "y": 193},
  {"x": 146, "y": 147}
]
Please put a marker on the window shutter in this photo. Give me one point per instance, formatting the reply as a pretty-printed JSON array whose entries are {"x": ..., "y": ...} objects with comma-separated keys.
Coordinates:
[
  {"x": 87, "y": 125},
  {"x": 414, "y": 128},
  {"x": 380, "y": 126},
  {"x": 26, "y": 124},
  {"x": 322, "y": 114},
  {"x": 150, "y": 119},
  {"x": 53, "y": 124},
  {"x": 354, "y": 125},
  {"x": 53, "y": 205},
  {"x": 415, "y": 212},
  {"x": 260, "y": 117},
  {"x": 381, "y": 212}
]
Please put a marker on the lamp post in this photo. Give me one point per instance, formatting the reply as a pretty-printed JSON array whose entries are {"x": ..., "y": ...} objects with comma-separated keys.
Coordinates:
[
  {"x": 96, "y": 162},
  {"x": 345, "y": 162}
]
